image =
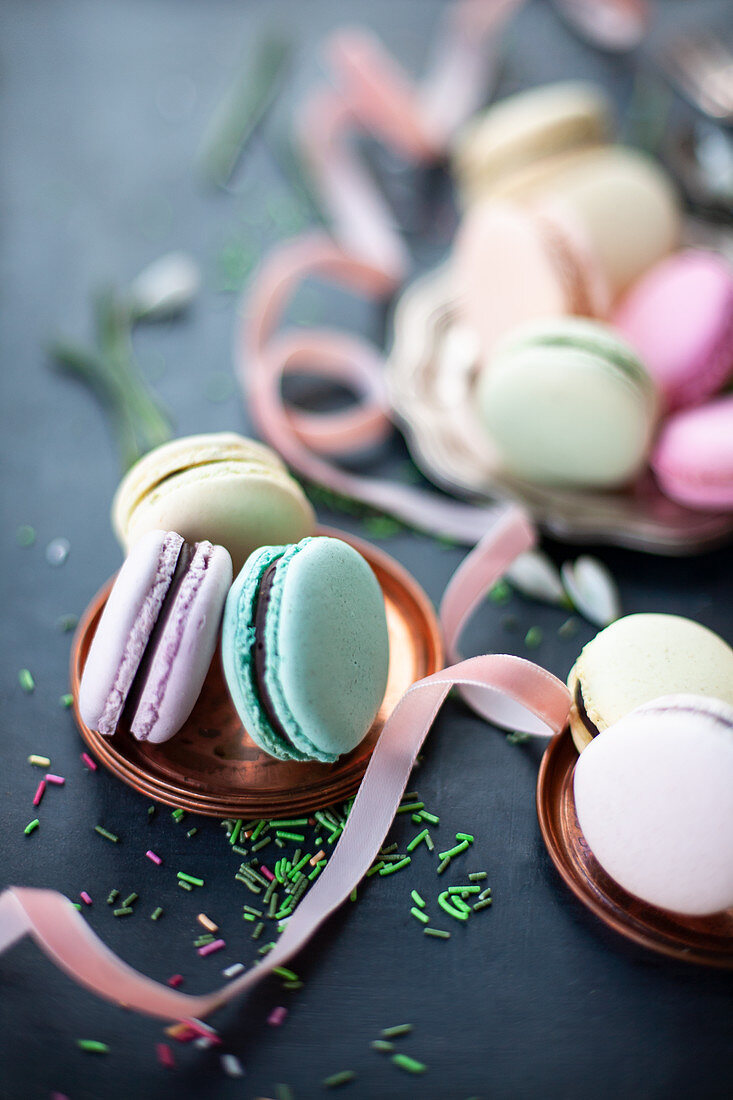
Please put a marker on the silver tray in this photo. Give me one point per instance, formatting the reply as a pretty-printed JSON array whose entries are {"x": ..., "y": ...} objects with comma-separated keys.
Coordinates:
[{"x": 431, "y": 375}]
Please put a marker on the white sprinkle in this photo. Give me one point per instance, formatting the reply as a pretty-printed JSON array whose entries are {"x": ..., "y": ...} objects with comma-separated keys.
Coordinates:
[
  {"x": 592, "y": 589},
  {"x": 233, "y": 970},
  {"x": 57, "y": 551},
  {"x": 203, "y": 1042},
  {"x": 231, "y": 1065}
]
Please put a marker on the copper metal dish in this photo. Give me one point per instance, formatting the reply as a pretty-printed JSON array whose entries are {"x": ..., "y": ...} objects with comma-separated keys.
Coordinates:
[
  {"x": 707, "y": 940},
  {"x": 213, "y": 767},
  {"x": 432, "y": 372}
]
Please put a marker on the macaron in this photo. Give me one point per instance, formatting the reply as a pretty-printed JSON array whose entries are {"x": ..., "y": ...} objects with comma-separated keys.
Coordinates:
[
  {"x": 526, "y": 129},
  {"x": 567, "y": 402},
  {"x": 155, "y": 639},
  {"x": 639, "y": 658},
  {"x": 693, "y": 456},
  {"x": 512, "y": 265},
  {"x": 653, "y": 799},
  {"x": 233, "y": 491},
  {"x": 679, "y": 317},
  {"x": 305, "y": 648}
]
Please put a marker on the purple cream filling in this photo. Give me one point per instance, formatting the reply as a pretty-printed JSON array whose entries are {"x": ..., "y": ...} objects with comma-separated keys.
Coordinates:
[
  {"x": 590, "y": 726},
  {"x": 260, "y": 656}
]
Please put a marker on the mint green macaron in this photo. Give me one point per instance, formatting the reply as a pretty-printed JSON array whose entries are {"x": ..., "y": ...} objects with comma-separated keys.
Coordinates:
[
  {"x": 567, "y": 402},
  {"x": 305, "y": 648}
]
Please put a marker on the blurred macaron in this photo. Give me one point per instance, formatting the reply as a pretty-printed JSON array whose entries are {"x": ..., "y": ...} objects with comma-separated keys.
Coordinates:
[
  {"x": 693, "y": 456},
  {"x": 222, "y": 487}
]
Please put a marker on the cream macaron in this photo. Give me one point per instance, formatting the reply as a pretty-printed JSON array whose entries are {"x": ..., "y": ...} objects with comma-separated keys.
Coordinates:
[
  {"x": 233, "y": 491},
  {"x": 639, "y": 658}
]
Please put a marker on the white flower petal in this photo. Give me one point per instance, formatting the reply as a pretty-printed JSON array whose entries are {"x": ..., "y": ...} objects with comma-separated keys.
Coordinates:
[
  {"x": 535, "y": 575},
  {"x": 165, "y": 287},
  {"x": 592, "y": 590}
]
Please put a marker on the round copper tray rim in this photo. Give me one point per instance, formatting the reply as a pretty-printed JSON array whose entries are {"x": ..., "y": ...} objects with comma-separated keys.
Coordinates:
[{"x": 580, "y": 885}]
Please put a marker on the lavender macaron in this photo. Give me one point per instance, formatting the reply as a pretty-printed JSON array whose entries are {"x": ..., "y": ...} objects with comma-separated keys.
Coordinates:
[{"x": 156, "y": 637}]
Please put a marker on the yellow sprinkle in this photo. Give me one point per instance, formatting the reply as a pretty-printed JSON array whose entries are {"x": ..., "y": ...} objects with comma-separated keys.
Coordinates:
[
  {"x": 208, "y": 924},
  {"x": 39, "y": 761}
]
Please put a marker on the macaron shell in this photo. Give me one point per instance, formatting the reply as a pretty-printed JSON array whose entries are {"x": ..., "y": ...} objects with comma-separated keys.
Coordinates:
[
  {"x": 177, "y": 456},
  {"x": 653, "y": 798},
  {"x": 693, "y": 456},
  {"x": 627, "y": 207},
  {"x": 679, "y": 316},
  {"x": 124, "y": 628},
  {"x": 327, "y": 647},
  {"x": 243, "y": 505},
  {"x": 237, "y": 643},
  {"x": 184, "y": 650},
  {"x": 641, "y": 657}
]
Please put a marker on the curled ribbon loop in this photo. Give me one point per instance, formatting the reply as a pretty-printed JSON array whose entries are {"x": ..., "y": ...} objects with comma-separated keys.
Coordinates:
[{"x": 507, "y": 690}]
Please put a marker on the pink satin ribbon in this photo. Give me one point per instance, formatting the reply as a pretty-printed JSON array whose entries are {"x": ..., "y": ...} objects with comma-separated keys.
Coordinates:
[{"x": 506, "y": 690}]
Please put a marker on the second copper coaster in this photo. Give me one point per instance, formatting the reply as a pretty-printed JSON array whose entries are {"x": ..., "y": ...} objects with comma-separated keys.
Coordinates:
[
  {"x": 213, "y": 767},
  {"x": 707, "y": 940}
]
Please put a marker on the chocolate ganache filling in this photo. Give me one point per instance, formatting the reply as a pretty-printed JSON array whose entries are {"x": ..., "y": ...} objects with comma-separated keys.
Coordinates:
[
  {"x": 260, "y": 656},
  {"x": 591, "y": 727}
]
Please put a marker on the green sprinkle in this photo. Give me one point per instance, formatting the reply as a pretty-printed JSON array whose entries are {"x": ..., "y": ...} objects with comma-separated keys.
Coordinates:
[
  {"x": 409, "y": 1064},
  {"x": 352, "y": 895},
  {"x": 261, "y": 843},
  {"x": 465, "y": 836},
  {"x": 258, "y": 929},
  {"x": 91, "y": 1046},
  {"x": 432, "y": 818},
  {"x": 266, "y": 947},
  {"x": 77, "y": 905},
  {"x": 248, "y": 916},
  {"x": 417, "y": 840},
  {"x": 438, "y": 933},
  {"x": 130, "y": 900},
  {"x": 300, "y": 864},
  {"x": 388, "y": 850},
  {"x": 289, "y": 821},
  {"x": 274, "y": 903},
  {"x": 289, "y": 836},
  {"x": 463, "y": 890},
  {"x": 518, "y": 737},
  {"x": 156, "y": 913},
  {"x": 445, "y": 904},
  {"x": 293, "y": 985},
  {"x": 25, "y": 535},
  {"x": 460, "y": 904},
  {"x": 106, "y": 834},
  {"x": 410, "y": 806},
  {"x": 337, "y": 1079},
  {"x": 112, "y": 897},
  {"x": 123, "y": 912},
  {"x": 442, "y": 866},
  {"x": 382, "y": 1044},
  {"x": 204, "y": 939},
  {"x": 392, "y": 867},
  {"x": 418, "y": 913},
  {"x": 429, "y": 842},
  {"x": 26, "y": 681},
  {"x": 185, "y": 886},
  {"x": 533, "y": 637},
  {"x": 454, "y": 851},
  {"x": 477, "y": 876},
  {"x": 317, "y": 870},
  {"x": 417, "y": 899},
  {"x": 235, "y": 832},
  {"x": 178, "y": 815},
  {"x": 283, "y": 972},
  {"x": 257, "y": 829},
  {"x": 501, "y": 593},
  {"x": 66, "y": 700},
  {"x": 67, "y": 623},
  {"x": 485, "y": 894},
  {"x": 189, "y": 878},
  {"x": 568, "y": 629},
  {"x": 31, "y": 826},
  {"x": 482, "y": 904},
  {"x": 396, "y": 1031},
  {"x": 192, "y": 832},
  {"x": 251, "y": 909}
]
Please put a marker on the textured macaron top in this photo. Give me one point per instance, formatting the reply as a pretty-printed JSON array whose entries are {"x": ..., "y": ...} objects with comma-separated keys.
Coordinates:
[
  {"x": 653, "y": 798},
  {"x": 640, "y": 657},
  {"x": 222, "y": 487},
  {"x": 308, "y": 670}
]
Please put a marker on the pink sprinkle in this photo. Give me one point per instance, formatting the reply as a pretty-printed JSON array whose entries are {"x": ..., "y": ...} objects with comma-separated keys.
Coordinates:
[
  {"x": 57, "y": 780},
  {"x": 85, "y": 897},
  {"x": 165, "y": 1055},
  {"x": 267, "y": 873},
  {"x": 89, "y": 762},
  {"x": 39, "y": 792},
  {"x": 277, "y": 1016},
  {"x": 152, "y": 855},
  {"x": 198, "y": 1027},
  {"x": 176, "y": 980},
  {"x": 210, "y": 948}
]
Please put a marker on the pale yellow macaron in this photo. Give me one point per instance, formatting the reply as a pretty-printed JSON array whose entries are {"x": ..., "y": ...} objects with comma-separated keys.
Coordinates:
[
  {"x": 233, "y": 491},
  {"x": 640, "y": 658}
]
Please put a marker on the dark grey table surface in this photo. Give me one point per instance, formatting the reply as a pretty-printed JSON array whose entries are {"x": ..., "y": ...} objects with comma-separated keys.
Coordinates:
[{"x": 103, "y": 107}]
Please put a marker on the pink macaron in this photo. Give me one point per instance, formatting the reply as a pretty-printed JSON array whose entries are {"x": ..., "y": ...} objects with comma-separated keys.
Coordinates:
[
  {"x": 693, "y": 456},
  {"x": 679, "y": 317}
]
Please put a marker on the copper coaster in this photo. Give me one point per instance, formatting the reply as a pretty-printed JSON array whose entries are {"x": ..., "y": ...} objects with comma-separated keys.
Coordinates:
[
  {"x": 432, "y": 372},
  {"x": 707, "y": 940},
  {"x": 213, "y": 767}
]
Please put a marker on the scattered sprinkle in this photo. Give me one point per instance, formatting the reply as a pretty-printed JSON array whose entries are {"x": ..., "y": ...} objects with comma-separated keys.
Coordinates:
[
  {"x": 411, "y": 1065},
  {"x": 482, "y": 904},
  {"x": 152, "y": 856},
  {"x": 382, "y": 1044},
  {"x": 40, "y": 791},
  {"x": 283, "y": 972},
  {"x": 337, "y": 1079},
  {"x": 85, "y": 897},
  {"x": 533, "y": 637},
  {"x": 31, "y": 826},
  {"x": 91, "y": 1046},
  {"x": 26, "y": 681},
  {"x": 123, "y": 912},
  {"x": 112, "y": 897},
  {"x": 89, "y": 762},
  {"x": 156, "y": 913},
  {"x": 396, "y": 1031},
  {"x": 449, "y": 906},
  {"x": 417, "y": 840},
  {"x": 233, "y": 970},
  {"x": 57, "y": 551},
  {"x": 210, "y": 948},
  {"x": 129, "y": 900},
  {"x": 106, "y": 834},
  {"x": 190, "y": 879},
  {"x": 518, "y": 737},
  {"x": 67, "y": 623},
  {"x": 191, "y": 832},
  {"x": 392, "y": 867},
  {"x": 39, "y": 761},
  {"x": 66, "y": 700},
  {"x": 417, "y": 899},
  {"x": 175, "y": 980},
  {"x": 419, "y": 915},
  {"x": 477, "y": 876},
  {"x": 231, "y": 1065},
  {"x": 277, "y": 1016},
  {"x": 165, "y": 1055},
  {"x": 57, "y": 780},
  {"x": 439, "y": 933},
  {"x": 25, "y": 535},
  {"x": 501, "y": 593},
  {"x": 207, "y": 923}
]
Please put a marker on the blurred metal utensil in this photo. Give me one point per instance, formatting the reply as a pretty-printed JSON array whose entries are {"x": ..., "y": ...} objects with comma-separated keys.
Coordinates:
[
  {"x": 612, "y": 25},
  {"x": 701, "y": 67}
]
